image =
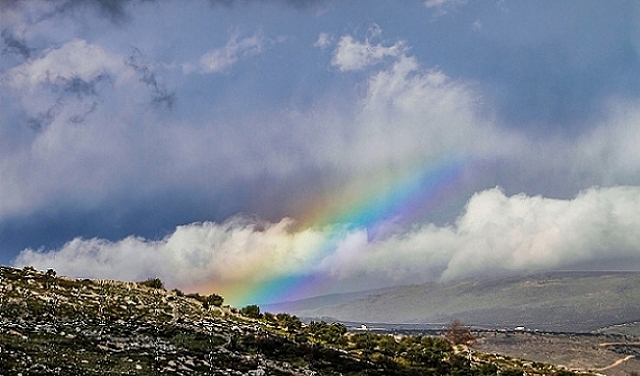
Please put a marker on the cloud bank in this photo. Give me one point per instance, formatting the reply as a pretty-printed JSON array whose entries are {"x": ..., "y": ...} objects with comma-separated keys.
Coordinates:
[{"x": 495, "y": 234}]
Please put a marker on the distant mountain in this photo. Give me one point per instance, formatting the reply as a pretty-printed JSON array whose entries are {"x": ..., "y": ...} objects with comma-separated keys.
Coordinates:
[{"x": 556, "y": 301}]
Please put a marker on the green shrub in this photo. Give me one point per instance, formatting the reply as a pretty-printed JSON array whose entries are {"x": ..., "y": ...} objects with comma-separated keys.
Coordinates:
[
  {"x": 212, "y": 300},
  {"x": 207, "y": 301},
  {"x": 154, "y": 283},
  {"x": 269, "y": 317},
  {"x": 251, "y": 311},
  {"x": 215, "y": 300},
  {"x": 289, "y": 322}
]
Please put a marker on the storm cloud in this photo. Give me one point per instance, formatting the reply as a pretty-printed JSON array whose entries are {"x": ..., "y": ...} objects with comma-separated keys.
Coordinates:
[{"x": 137, "y": 137}]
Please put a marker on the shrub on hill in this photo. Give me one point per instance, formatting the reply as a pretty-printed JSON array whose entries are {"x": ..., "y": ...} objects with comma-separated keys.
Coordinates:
[
  {"x": 252, "y": 311},
  {"x": 289, "y": 322},
  {"x": 154, "y": 283},
  {"x": 213, "y": 300},
  {"x": 207, "y": 301}
]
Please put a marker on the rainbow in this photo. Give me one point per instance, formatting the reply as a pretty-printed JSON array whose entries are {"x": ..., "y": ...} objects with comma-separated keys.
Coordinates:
[{"x": 396, "y": 201}]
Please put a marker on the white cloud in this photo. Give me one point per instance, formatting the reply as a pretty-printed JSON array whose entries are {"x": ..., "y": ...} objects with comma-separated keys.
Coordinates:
[
  {"x": 231, "y": 252},
  {"x": 78, "y": 104},
  {"x": 409, "y": 114},
  {"x": 352, "y": 55},
  {"x": 496, "y": 233},
  {"x": 74, "y": 59},
  {"x": 535, "y": 233},
  {"x": 221, "y": 59},
  {"x": 324, "y": 41},
  {"x": 610, "y": 150}
]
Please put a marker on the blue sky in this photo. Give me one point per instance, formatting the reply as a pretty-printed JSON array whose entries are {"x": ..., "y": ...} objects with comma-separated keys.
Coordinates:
[{"x": 185, "y": 132}]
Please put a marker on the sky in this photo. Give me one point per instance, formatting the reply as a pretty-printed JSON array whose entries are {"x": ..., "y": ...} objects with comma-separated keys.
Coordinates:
[{"x": 275, "y": 150}]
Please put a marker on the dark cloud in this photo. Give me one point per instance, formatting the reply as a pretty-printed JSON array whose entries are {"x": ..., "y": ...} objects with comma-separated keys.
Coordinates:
[
  {"x": 12, "y": 45},
  {"x": 548, "y": 68},
  {"x": 115, "y": 10},
  {"x": 544, "y": 89},
  {"x": 160, "y": 95},
  {"x": 66, "y": 90},
  {"x": 151, "y": 217},
  {"x": 300, "y": 4},
  {"x": 78, "y": 86},
  {"x": 43, "y": 119}
]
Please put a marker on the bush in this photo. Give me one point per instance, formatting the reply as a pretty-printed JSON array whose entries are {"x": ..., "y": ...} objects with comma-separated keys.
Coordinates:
[
  {"x": 212, "y": 300},
  {"x": 154, "y": 283},
  {"x": 252, "y": 311},
  {"x": 269, "y": 317},
  {"x": 330, "y": 333},
  {"x": 289, "y": 322},
  {"x": 207, "y": 301}
]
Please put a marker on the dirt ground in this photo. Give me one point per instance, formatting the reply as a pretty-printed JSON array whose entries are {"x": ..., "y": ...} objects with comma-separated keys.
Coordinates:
[{"x": 610, "y": 355}]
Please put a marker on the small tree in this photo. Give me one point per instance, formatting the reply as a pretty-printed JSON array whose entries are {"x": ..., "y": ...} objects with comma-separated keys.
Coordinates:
[
  {"x": 215, "y": 300},
  {"x": 459, "y": 334},
  {"x": 252, "y": 311},
  {"x": 289, "y": 322},
  {"x": 154, "y": 283},
  {"x": 212, "y": 300},
  {"x": 269, "y": 317}
]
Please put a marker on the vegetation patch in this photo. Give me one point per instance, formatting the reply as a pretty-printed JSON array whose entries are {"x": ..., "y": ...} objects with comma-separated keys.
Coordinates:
[{"x": 54, "y": 325}]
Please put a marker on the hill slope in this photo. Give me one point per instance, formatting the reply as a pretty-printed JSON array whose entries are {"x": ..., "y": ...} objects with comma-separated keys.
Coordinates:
[
  {"x": 61, "y": 326},
  {"x": 560, "y": 301}
]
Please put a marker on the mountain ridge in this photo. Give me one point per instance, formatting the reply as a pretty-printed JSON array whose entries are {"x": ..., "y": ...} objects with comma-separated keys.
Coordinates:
[{"x": 561, "y": 300}]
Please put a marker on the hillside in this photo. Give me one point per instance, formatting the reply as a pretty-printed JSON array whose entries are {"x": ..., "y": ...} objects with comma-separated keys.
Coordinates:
[
  {"x": 53, "y": 325},
  {"x": 560, "y": 301}
]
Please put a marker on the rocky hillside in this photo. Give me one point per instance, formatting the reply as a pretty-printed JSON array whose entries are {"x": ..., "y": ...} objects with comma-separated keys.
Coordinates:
[{"x": 53, "y": 325}]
